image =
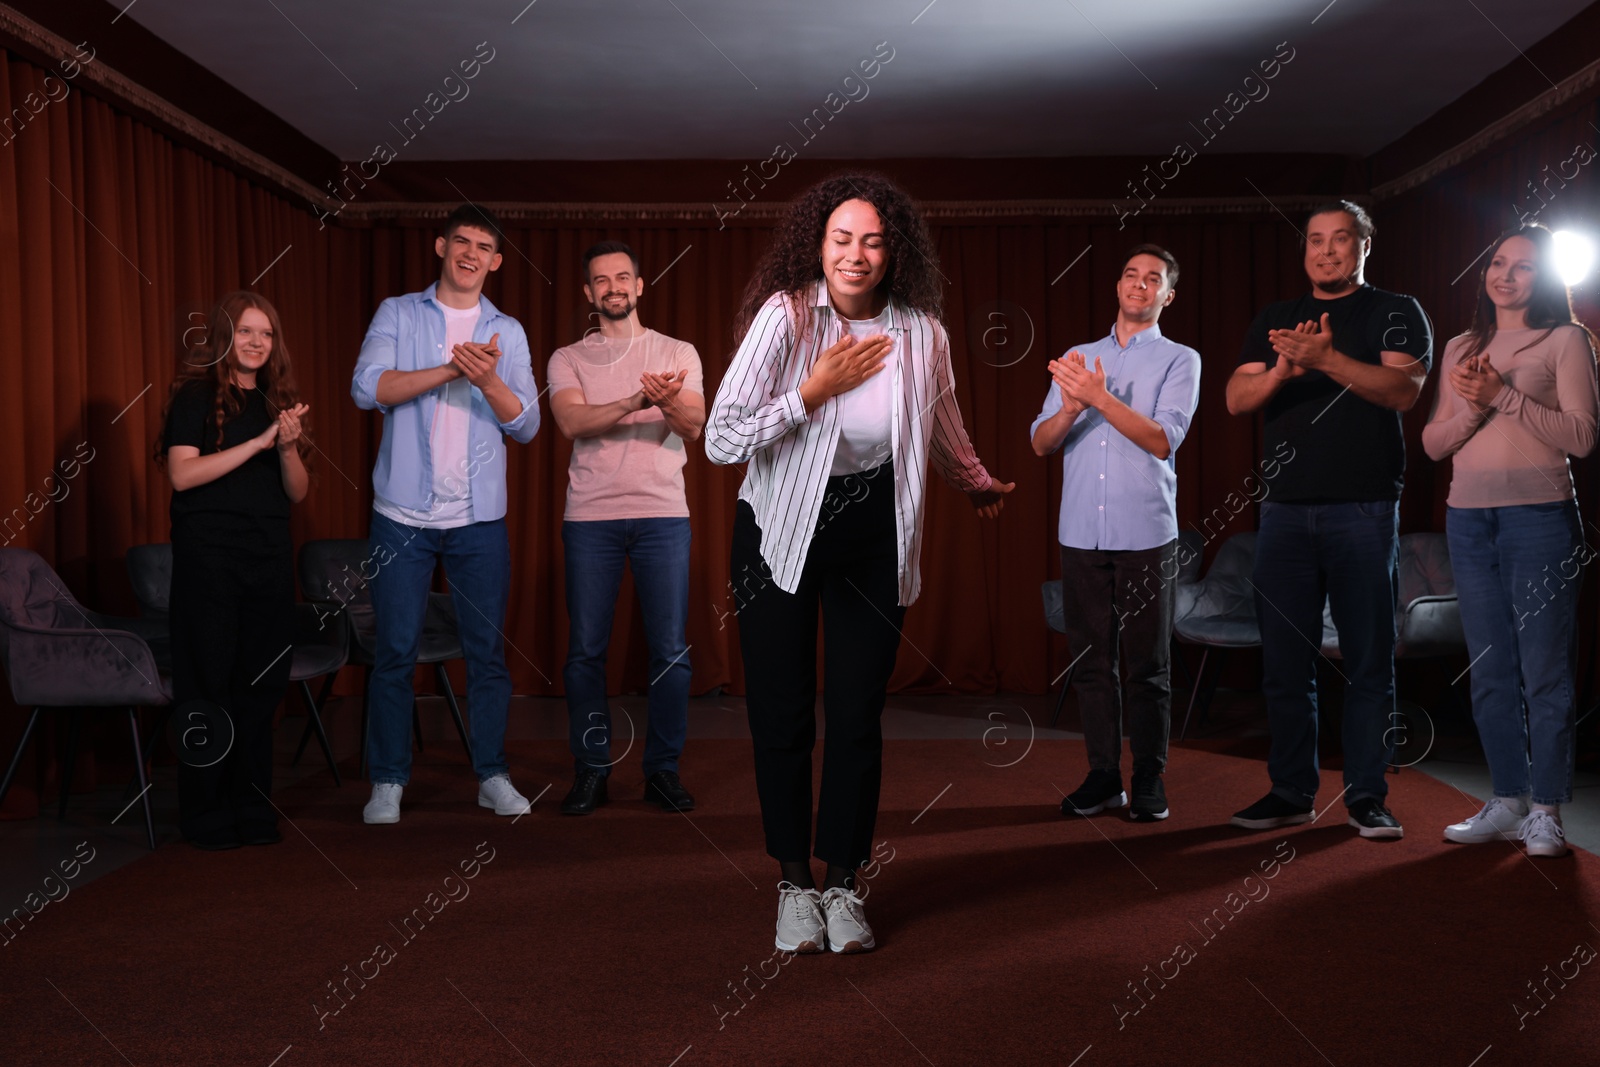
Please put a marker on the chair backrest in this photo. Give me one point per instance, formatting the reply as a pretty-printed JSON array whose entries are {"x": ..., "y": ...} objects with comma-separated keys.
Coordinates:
[
  {"x": 1054, "y": 609},
  {"x": 32, "y": 594},
  {"x": 150, "y": 574},
  {"x": 1425, "y": 567},
  {"x": 1191, "y": 554},
  {"x": 337, "y": 570},
  {"x": 1225, "y": 591}
]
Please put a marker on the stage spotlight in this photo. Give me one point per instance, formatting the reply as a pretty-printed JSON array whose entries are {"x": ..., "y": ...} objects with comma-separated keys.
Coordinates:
[{"x": 1574, "y": 256}]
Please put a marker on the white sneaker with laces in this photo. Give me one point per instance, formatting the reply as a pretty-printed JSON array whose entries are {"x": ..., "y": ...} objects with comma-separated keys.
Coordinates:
[
  {"x": 800, "y": 924},
  {"x": 1497, "y": 821},
  {"x": 498, "y": 793},
  {"x": 384, "y": 807},
  {"x": 1542, "y": 834},
  {"x": 847, "y": 922}
]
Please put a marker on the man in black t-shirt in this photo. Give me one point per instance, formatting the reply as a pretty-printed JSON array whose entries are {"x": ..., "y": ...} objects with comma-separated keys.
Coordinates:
[{"x": 1333, "y": 370}]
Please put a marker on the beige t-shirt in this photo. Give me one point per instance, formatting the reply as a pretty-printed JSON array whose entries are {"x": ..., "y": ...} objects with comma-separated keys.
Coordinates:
[
  {"x": 635, "y": 469},
  {"x": 1515, "y": 452}
]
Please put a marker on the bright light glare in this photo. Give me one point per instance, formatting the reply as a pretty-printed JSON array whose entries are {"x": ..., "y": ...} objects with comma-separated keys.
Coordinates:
[{"x": 1574, "y": 256}]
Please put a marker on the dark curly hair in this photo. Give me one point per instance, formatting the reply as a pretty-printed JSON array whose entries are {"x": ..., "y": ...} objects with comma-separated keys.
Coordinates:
[{"x": 793, "y": 263}]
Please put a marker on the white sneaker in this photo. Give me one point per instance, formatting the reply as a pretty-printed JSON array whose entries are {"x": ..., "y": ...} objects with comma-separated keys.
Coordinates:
[
  {"x": 800, "y": 924},
  {"x": 384, "y": 807},
  {"x": 1542, "y": 833},
  {"x": 1497, "y": 820},
  {"x": 847, "y": 922},
  {"x": 498, "y": 793}
]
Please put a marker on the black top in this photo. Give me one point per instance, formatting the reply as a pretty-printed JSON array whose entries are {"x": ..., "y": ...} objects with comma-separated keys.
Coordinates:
[
  {"x": 247, "y": 508},
  {"x": 1344, "y": 448}
]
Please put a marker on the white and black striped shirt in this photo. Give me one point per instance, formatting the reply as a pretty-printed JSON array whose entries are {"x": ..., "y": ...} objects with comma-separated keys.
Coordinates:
[{"x": 759, "y": 418}]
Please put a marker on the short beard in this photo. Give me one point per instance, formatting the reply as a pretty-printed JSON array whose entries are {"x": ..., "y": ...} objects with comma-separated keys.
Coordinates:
[
  {"x": 616, "y": 316},
  {"x": 1340, "y": 284}
]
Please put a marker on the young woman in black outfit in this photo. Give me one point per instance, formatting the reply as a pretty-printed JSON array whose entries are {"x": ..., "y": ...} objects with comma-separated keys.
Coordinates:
[{"x": 232, "y": 445}]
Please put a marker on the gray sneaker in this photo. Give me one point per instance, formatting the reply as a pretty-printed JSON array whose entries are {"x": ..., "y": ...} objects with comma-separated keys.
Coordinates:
[
  {"x": 847, "y": 922},
  {"x": 1542, "y": 834},
  {"x": 800, "y": 924},
  {"x": 1497, "y": 821},
  {"x": 384, "y": 806}
]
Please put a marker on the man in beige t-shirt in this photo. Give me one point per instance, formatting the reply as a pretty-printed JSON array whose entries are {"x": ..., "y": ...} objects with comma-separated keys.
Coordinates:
[{"x": 629, "y": 399}]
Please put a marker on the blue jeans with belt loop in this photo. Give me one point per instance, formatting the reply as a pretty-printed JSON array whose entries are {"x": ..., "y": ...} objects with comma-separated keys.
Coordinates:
[{"x": 1518, "y": 570}]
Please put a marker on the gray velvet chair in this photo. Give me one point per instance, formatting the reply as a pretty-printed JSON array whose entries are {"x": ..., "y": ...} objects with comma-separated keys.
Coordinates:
[
  {"x": 58, "y": 654},
  {"x": 1218, "y": 613},
  {"x": 321, "y": 645},
  {"x": 334, "y": 575}
]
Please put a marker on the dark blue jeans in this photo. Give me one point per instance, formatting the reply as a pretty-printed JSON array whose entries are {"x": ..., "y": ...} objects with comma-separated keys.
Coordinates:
[
  {"x": 657, "y": 551},
  {"x": 477, "y": 561},
  {"x": 1518, "y": 571},
  {"x": 1348, "y": 556}
]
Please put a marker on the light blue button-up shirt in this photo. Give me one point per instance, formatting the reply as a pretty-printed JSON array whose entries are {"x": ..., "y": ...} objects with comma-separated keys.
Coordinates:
[
  {"x": 408, "y": 333},
  {"x": 1114, "y": 494}
]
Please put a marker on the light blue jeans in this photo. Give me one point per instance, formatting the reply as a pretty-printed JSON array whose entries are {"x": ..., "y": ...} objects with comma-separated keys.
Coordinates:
[
  {"x": 1518, "y": 570},
  {"x": 477, "y": 561}
]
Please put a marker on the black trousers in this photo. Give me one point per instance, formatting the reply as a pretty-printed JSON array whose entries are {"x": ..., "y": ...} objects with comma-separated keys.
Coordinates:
[
  {"x": 852, "y": 574},
  {"x": 232, "y": 617},
  {"x": 1126, "y": 598}
]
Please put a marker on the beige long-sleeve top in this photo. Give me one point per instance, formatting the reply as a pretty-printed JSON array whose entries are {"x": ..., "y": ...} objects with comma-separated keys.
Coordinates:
[{"x": 1515, "y": 450}]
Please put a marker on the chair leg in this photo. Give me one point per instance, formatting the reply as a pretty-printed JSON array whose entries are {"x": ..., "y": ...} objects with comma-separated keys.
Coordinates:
[
  {"x": 315, "y": 722},
  {"x": 144, "y": 786},
  {"x": 16, "y": 757},
  {"x": 1194, "y": 692},
  {"x": 455, "y": 709},
  {"x": 1061, "y": 697},
  {"x": 70, "y": 763}
]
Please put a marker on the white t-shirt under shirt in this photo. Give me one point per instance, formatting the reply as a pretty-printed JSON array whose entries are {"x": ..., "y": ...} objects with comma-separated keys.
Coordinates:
[
  {"x": 866, "y": 412},
  {"x": 635, "y": 469},
  {"x": 448, "y": 440}
]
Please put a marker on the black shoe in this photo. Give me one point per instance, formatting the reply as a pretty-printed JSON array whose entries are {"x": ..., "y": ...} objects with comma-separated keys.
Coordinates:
[
  {"x": 588, "y": 792},
  {"x": 1149, "y": 799},
  {"x": 1099, "y": 791},
  {"x": 259, "y": 833},
  {"x": 1270, "y": 811},
  {"x": 216, "y": 840},
  {"x": 1374, "y": 820},
  {"x": 664, "y": 789}
]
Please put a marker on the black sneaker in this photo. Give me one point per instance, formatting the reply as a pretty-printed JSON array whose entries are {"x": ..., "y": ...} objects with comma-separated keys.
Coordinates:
[
  {"x": 587, "y": 793},
  {"x": 1271, "y": 810},
  {"x": 664, "y": 789},
  {"x": 1149, "y": 799},
  {"x": 1099, "y": 791},
  {"x": 1369, "y": 816}
]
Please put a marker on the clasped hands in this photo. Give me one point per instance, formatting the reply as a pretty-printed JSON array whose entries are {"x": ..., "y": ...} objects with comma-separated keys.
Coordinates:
[
  {"x": 658, "y": 389},
  {"x": 475, "y": 360},
  {"x": 1081, "y": 388},
  {"x": 1309, "y": 346},
  {"x": 285, "y": 429},
  {"x": 1476, "y": 381}
]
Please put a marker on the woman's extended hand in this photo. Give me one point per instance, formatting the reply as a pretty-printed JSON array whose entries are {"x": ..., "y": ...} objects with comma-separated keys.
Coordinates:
[{"x": 990, "y": 501}]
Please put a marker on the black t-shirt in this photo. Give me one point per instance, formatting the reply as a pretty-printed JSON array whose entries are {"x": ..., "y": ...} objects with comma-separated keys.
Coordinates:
[
  {"x": 247, "y": 508},
  {"x": 1344, "y": 448}
]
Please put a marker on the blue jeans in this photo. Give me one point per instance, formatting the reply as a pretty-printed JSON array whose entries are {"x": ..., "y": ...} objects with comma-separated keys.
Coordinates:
[
  {"x": 477, "y": 562},
  {"x": 1347, "y": 555},
  {"x": 1518, "y": 570},
  {"x": 658, "y": 552}
]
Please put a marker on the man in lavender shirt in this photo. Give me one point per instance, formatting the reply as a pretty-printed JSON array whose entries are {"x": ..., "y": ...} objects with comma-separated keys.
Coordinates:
[
  {"x": 628, "y": 398},
  {"x": 1118, "y": 409}
]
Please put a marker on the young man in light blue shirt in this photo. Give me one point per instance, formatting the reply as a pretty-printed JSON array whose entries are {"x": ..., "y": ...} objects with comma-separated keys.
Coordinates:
[
  {"x": 1118, "y": 409},
  {"x": 452, "y": 376}
]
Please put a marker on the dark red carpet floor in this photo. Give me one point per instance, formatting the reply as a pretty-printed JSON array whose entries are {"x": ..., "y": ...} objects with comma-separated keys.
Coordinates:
[{"x": 1007, "y": 933}]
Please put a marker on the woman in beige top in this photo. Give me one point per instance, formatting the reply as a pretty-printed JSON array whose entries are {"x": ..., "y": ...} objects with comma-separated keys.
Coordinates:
[{"x": 1521, "y": 399}]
